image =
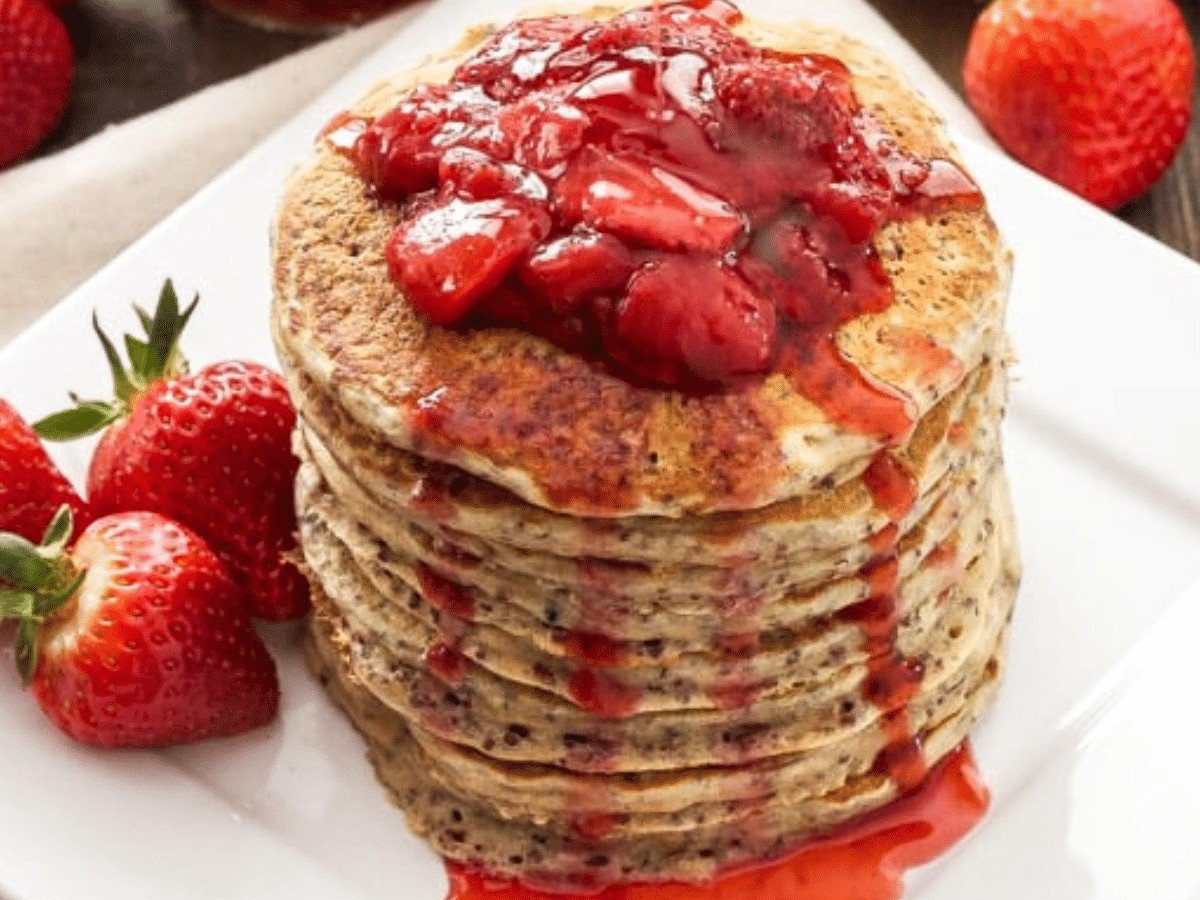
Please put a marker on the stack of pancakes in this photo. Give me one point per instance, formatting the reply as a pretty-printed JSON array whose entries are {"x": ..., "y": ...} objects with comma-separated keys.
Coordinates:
[{"x": 595, "y": 632}]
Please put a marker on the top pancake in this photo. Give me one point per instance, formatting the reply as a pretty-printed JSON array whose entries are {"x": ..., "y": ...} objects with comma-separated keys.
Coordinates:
[{"x": 561, "y": 432}]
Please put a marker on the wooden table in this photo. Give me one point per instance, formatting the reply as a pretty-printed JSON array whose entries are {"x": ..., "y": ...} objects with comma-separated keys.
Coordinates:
[{"x": 136, "y": 55}]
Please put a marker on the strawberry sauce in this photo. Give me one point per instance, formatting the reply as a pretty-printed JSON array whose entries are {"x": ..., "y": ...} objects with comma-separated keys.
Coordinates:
[
  {"x": 892, "y": 679},
  {"x": 865, "y": 860},
  {"x": 658, "y": 194}
]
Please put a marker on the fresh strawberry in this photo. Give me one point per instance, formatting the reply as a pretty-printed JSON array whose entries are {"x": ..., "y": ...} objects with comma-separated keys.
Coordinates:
[
  {"x": 1094, "y": 94},
  {"x": 37, "y": 66},
  {"x": 137, "y": 636},
  {"x": 449, "y": 256},
  {"x": 211, "y": 450},
  {"x": 31, "y": 486},
  {"x": 645, "y": 204}
]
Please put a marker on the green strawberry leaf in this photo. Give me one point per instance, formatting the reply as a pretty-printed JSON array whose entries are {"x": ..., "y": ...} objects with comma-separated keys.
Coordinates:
[
  {"x": 165, "y": 328},
  {"x": 140, "y": 359},
  {"x": 144, "y": 318},
  {"x": 21, "y": 565},
  {"x": 122, "y": 385},
  {"x": 88, "y": 417},
  {"x": 26, "y": 650},
  {"x": 15, "y": 604},
  {"x": 153, "y": 359},
  {"x": 58, "y": 532},
  {"x": 36, "y": 581}
]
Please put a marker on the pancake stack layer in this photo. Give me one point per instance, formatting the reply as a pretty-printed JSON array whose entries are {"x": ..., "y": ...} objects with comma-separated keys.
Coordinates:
[{"x": 596, "y": 632}]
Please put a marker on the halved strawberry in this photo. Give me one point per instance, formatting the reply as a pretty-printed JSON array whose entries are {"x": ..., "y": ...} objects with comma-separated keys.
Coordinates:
[
  {"x": 579, "y": 265},
  {"x": 544, "y": 129},
  {"x": 137, "y": 636},
  {"x": 211, "y": 450},
  {"x": 451, "y": 254},
  {"x": 690, "y": 320},
  {"x": 398, "y": 152},
  {"x": 515, "y": 57},
  {"x": 474, "y": 175},
  {"x": 645, "y": 204}
]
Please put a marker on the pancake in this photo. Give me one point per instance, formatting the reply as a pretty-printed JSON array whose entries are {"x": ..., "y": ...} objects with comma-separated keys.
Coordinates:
[
  {"x": 413, "y": 488},
  {"x": 698, "y": 835},
  {"x": 783, "y": 659},
  {"x": 594, "y": 630},
  {"x": 481, "y": 709},
  {"x": 564, "y": 434},
  {"x": 630, "y": 588}
]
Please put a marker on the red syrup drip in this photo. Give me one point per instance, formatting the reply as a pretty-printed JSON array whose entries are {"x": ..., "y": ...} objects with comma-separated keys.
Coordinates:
[
  {"x": 596, "y": 650},
  {"x": 737, "y": 685},
  {"x": 658, "y": 194},
  {"x": 864, "y": 860},
  {"x": 892, "y": 680},
  {"x": 456, "y": 611},
  {"x": 944, "y": 554},
  {"x": 588, "y": 805},
  {"x": 431, "y": 495},
  {"x": 884, "y": 541},
  {"x": 891, "y": 486},
  {"x": 446, "y": 663},
  {"x": 445, "y": 596},
  {"x": 603, "y": 694}
]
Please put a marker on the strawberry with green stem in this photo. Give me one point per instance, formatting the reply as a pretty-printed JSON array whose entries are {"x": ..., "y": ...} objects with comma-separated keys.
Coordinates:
[
  {"x": 136, "y": 636},
  {"x": 210, "y": 449}
]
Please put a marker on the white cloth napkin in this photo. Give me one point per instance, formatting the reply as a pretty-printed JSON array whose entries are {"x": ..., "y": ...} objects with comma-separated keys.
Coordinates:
[{"x": 65, "y": 216}]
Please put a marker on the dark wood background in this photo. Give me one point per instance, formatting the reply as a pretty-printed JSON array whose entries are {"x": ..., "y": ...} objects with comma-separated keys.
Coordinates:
[{"x": 137, "y": 55}]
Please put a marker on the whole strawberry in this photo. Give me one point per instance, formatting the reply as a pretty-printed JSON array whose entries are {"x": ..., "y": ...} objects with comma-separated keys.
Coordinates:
[
  {"x": 31, "y": 486},
  {"x": 37, "y": 66},
  {"x": 211, "y": 450},
  {"x": 137, "y": 636},
  {"x": 1094, "y": 94}
]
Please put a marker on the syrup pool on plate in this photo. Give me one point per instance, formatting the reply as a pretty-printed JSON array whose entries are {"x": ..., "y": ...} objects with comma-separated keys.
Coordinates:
[{"x": 865, "y": 860}]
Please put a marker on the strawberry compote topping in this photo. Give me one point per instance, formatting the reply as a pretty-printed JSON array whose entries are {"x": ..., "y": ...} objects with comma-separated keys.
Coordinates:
[{"x": 653, "y": 191}]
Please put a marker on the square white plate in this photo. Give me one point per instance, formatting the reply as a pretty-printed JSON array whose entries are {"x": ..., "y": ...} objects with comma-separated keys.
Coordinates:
[{"x": 1086, "y": 752}]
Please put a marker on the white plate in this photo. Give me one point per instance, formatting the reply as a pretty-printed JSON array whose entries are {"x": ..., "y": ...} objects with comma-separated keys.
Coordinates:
[{"x": 1088, "y": 755}]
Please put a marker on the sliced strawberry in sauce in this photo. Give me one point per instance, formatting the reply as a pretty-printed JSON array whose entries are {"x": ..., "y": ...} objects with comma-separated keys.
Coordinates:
[
  {"x": 814, "y": 273},
  {"x": 399, "y": 152},
  {"x": 718, "y": 10},
  {"x": 454, "y": 252},
  {"x": 676, "y": 27},
  {"x": 514, "y": 59},
  {"x": 688, "y": 320},
  {"x": 793, "y": 121},
  {"x": 578, "y": 266},
  {"x": 544, "y": 129},
  {"x": 645, "y": 204},
  {"x": 474, "y": 175}
]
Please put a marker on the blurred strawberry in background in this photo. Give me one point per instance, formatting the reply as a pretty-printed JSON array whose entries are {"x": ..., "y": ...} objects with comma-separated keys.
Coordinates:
[
  {"x": 37, "y": 65},
  {"x": 1094, "y": 94}
]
